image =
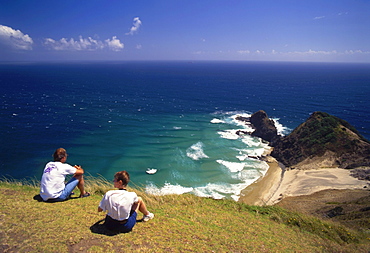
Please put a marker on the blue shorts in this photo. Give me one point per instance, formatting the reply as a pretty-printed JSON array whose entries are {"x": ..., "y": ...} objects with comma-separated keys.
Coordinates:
[
  {"x": 121, "y": 226},
  {"x": 72, "y": 183}
]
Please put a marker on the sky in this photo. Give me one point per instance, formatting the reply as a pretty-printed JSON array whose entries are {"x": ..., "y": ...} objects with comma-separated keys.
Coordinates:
[{"x": 190, "y": 30}]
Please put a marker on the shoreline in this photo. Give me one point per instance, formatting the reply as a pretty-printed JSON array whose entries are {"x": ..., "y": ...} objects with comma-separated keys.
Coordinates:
[
  {"x": 262, "y": 190},
  {"x": 278, "y": 183}
]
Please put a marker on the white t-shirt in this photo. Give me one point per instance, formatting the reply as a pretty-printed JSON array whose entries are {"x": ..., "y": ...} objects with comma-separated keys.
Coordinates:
[
  {"x": 118, "y": 203},
  {"x": 52, "y": 181}
]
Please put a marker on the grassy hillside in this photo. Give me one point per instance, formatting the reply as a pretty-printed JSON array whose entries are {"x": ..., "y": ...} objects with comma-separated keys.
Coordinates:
[
  {"x": 184, "y": 223},
  {"x": 319, "y": 134}
]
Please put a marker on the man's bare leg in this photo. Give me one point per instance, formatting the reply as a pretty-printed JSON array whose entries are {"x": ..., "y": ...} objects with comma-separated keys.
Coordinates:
[{"x": 81, "y": 184}]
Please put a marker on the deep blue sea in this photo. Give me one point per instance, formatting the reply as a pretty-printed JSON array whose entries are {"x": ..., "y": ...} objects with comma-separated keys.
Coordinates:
[{"x": 176, "y": 117}]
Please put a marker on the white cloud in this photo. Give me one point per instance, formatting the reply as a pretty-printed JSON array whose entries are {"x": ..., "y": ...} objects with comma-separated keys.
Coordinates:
[
  {"x": 310, "y": 52},
  {"x": 135, "y": 26},
  {"x": 15, "y": 38},
  {"x": 83, "y": 44},
  {"x": 326, "y": 53},
  {"x": 317, "y": 18},
  {"x": 356, "y": 52},
  {"x": 114, "y": 44},
  {"x": 244, "y": 52},
  {"x": 313, "y": 52}
]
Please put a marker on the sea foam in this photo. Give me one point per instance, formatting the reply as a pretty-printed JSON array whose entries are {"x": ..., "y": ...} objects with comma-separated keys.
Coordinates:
[
  {"x": 281, "y": 130},
  {"x": 196, "y": 152},
  {"x": 217, "y": 121},
  {"x": 232, "y": 166},
  {"x": 167, "y": 189}
]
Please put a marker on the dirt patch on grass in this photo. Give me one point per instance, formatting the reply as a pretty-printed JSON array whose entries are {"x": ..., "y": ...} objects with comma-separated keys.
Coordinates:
[
  {"x": 86, "y": 245},
  {"x": 348, "y": 207},
  {"x": 9, "y": 192}
]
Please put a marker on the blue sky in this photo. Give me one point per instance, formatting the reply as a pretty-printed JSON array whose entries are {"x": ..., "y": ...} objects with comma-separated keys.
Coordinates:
[{"x": 266, "y": 30}]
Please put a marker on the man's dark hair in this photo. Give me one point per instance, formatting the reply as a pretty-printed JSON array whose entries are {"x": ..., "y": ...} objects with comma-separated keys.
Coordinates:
[{"x": 59, "y": 154}]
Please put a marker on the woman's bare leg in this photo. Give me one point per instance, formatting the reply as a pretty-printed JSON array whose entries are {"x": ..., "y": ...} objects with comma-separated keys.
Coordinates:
[{"x": 140, "y": 206}]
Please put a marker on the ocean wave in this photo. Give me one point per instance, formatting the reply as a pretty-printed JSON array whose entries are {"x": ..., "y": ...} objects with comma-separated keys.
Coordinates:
[
  {"x": 232, "y": 166},
  {"x": 281, "y": 130},
  {"x": 244, "y": 174},
  {"x": 210, "y": 190},
  {"x": 250, "y": 154},
  {"x": 196, "y": 152},
  {"x": 167, "y": 189},
  {"x": 220, "y": 190},
  {"x": 217, "y": 121},
  {"x": 229, "y": 134}
]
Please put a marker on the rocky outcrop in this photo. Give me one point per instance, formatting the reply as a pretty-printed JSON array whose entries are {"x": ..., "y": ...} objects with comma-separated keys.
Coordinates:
[
  {"x": 324, "y": 138},
  {"x": 264, "y": 127}
]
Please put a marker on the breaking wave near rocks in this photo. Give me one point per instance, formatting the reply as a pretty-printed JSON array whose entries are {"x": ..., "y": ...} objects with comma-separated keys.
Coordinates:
[{"x": 221, "y": 159}]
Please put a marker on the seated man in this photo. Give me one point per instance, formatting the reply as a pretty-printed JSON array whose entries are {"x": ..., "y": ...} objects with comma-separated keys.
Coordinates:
[
  {"x": 53, "y": 187},
  {"x": 122, "y": 206}
]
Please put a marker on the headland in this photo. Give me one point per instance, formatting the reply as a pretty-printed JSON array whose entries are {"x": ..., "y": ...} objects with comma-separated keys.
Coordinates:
[{"x": 318, "y": 155}]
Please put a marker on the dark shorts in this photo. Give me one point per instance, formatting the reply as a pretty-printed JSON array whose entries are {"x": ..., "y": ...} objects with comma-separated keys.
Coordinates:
[{"x": 121, "y": 226}]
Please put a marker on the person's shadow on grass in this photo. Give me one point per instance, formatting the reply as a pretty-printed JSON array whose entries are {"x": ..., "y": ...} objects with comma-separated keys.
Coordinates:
[
  {"x": 100, "y": 228},
  {"x": 39, "y": 199}
]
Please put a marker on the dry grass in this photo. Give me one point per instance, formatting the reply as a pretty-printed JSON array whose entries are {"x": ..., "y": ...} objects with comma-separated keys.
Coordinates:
[{"x": 184, "y": 223}]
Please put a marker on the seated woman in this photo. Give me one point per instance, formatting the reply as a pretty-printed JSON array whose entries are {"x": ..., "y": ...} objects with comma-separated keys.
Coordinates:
[{"x": 122, "y": 206}]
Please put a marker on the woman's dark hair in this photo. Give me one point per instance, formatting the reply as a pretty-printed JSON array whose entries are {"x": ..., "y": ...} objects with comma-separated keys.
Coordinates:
[{"x": 124, "y": 176}]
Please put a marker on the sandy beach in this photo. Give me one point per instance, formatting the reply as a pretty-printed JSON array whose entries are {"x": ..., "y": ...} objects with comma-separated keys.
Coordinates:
[
  {"x": 261, "y": 191},
  {"x": 278, "y": 184}
]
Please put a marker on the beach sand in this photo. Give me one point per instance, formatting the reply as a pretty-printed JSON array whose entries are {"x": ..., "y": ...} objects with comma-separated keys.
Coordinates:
[
  {"x": 276, "y": 184},
  {"x": 261, "y": 191}
]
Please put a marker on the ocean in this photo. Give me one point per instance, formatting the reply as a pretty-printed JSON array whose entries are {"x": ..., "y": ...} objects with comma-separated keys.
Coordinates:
[{"x": 176, "y": 117}]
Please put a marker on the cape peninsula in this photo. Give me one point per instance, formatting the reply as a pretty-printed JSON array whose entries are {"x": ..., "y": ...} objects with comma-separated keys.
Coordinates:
[
  {"x": 323, "y": 139},
  {"x": 322, "y": 153}
]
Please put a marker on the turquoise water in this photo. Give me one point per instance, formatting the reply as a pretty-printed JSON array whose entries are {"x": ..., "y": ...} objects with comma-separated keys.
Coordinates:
[{"x": 176, "y": 117}]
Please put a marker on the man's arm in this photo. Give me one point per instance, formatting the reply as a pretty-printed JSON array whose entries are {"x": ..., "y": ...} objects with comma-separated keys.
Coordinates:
[
  {"x": 99, "y": 209},
  {"x": 79, "y": 170}
]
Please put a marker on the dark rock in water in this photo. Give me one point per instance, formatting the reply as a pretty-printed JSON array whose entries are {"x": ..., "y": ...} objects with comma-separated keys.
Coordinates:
[
  {"x": 240, "y": 132},
  {"x": 264, "y": 127},
  {"x": 245, "y": 119},
  {"x": 323, "y": 135}
]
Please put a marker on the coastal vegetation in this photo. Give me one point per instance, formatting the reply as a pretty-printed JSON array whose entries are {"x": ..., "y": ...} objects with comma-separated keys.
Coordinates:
[
  {"x": 183, "y": 223},
  {"x": 325, "y": 137}
]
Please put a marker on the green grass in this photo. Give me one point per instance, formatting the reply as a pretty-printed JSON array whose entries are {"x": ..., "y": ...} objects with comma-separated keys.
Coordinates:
[{"x": 182, "y": 223}]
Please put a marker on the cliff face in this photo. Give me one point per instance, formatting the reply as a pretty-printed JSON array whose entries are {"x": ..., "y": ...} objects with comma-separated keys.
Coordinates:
[{"x": 328, "y": 139}]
